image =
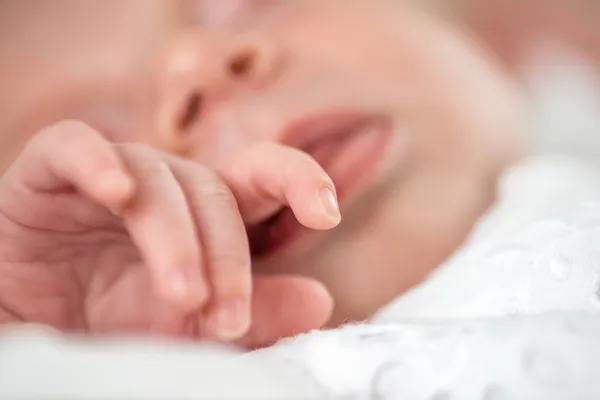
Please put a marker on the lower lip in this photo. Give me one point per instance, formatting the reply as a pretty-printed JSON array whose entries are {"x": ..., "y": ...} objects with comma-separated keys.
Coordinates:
[{"x": 349, "y": 164}]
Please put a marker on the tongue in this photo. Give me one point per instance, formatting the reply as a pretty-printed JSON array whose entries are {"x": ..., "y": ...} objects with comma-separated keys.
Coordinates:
[
  {"x": 340, "y": 156},
  {"x": 351, "y": 159},
  {"x": 326, "y": 151}
]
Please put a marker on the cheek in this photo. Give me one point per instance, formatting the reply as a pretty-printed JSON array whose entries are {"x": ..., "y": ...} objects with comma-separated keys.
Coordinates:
[
  {"x": 116, "y": 122},
  {"x": 379, "y": 60}
]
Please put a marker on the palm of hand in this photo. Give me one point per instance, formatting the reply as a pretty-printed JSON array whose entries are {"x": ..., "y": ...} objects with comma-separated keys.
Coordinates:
[
  {"x": 67, "y": 261},
  {"x": 78, "y": 270}
]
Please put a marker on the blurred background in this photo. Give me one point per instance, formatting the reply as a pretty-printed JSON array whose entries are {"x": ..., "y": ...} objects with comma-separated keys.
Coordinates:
[{"x": 553, "y": 48}]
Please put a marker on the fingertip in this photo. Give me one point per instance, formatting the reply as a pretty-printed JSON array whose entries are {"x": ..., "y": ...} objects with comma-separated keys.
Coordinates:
[
  {"x": 285, "y": 306},
  {"x": 230, "y": 319},
  {"x": 318, "y": 304},
  {"x": 322, "y": 299},
  {"x": 330, "y": 206},
  {"x": 318, "y": 210},
  {"x": 115, "y": 187}
]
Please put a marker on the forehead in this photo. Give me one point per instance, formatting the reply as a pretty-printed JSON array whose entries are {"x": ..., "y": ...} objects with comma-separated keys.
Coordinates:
[
  {"x": 110, "y": 17},
  {"x": 34, "y": 31},
  {"x": 30, "y": 19},
  {"x": 74, "y": 8}
]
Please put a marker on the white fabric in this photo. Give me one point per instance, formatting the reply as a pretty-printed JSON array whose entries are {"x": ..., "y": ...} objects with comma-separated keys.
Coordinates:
[
  {"x": 538, "y": 251},
  {"x": 457, "y": 336},
  {"x": 536, "y": 255},
  {"x": 539, "y": 358},
  {"x": 39, "y": 364}
]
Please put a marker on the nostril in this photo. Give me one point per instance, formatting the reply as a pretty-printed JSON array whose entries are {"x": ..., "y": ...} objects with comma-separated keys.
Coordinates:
[
  {"x": 241, "y": 65},
  {"x": 189, "y": 112}
]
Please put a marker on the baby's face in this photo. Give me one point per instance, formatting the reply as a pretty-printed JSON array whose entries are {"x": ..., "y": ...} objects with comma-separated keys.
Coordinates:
[{"x": 410, "y": 121}]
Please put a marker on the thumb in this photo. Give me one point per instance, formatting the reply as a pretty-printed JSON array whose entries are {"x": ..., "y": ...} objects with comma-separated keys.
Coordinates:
[{"x": 284, "y": 306}]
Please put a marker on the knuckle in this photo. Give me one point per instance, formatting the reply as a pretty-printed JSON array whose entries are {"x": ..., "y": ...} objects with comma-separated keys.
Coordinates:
[
  {"x": 304, "y": 159},
  {"x": 152, "y": 167},
  {"x": 62, "y": 133},
  {"x": 143, "y": 158},
  {"x": 308, "y": 161},
  {"x": 293, "y": 157},
  {"x": 137, "y": 150},
  {"x": 300, "y": 163},
  {"x": 289, "y": 161},
  {"x": 220, "y": 194},
  {"x": 70, "y": 128},
  {"x": 204, "y": 184},
  {"x": 212, "y": 186}
]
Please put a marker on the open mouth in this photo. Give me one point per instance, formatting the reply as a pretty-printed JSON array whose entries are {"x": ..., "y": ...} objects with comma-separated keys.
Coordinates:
[{"x": 347, "y": 145}]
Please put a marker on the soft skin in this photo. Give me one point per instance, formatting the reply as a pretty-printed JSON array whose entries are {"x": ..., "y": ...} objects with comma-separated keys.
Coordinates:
[{"x": 210, "y": 81}]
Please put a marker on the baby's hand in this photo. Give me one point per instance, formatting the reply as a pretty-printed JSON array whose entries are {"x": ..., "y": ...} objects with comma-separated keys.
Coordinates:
[{"x": 105, "y": 237}]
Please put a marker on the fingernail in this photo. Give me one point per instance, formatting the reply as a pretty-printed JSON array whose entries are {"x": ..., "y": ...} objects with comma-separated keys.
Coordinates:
[
  {"x": 231, "y": 320},
  {"x": 330, "y": 203}
]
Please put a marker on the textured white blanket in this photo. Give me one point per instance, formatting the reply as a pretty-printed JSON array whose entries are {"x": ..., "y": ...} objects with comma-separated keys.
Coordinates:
[{"x": 514, "y": 314}]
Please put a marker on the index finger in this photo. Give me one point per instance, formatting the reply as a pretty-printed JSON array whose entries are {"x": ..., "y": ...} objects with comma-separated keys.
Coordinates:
[{"x": 271, "y": 175}]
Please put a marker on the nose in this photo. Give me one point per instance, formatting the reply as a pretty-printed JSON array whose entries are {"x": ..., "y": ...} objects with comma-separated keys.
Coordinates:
[{"x": 204, "y": 70}]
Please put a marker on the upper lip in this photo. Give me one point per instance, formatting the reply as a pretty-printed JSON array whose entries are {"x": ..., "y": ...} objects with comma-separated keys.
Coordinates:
[
  {"x": 305, "y": 133},
  {"x": 311, "y": 133}
]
